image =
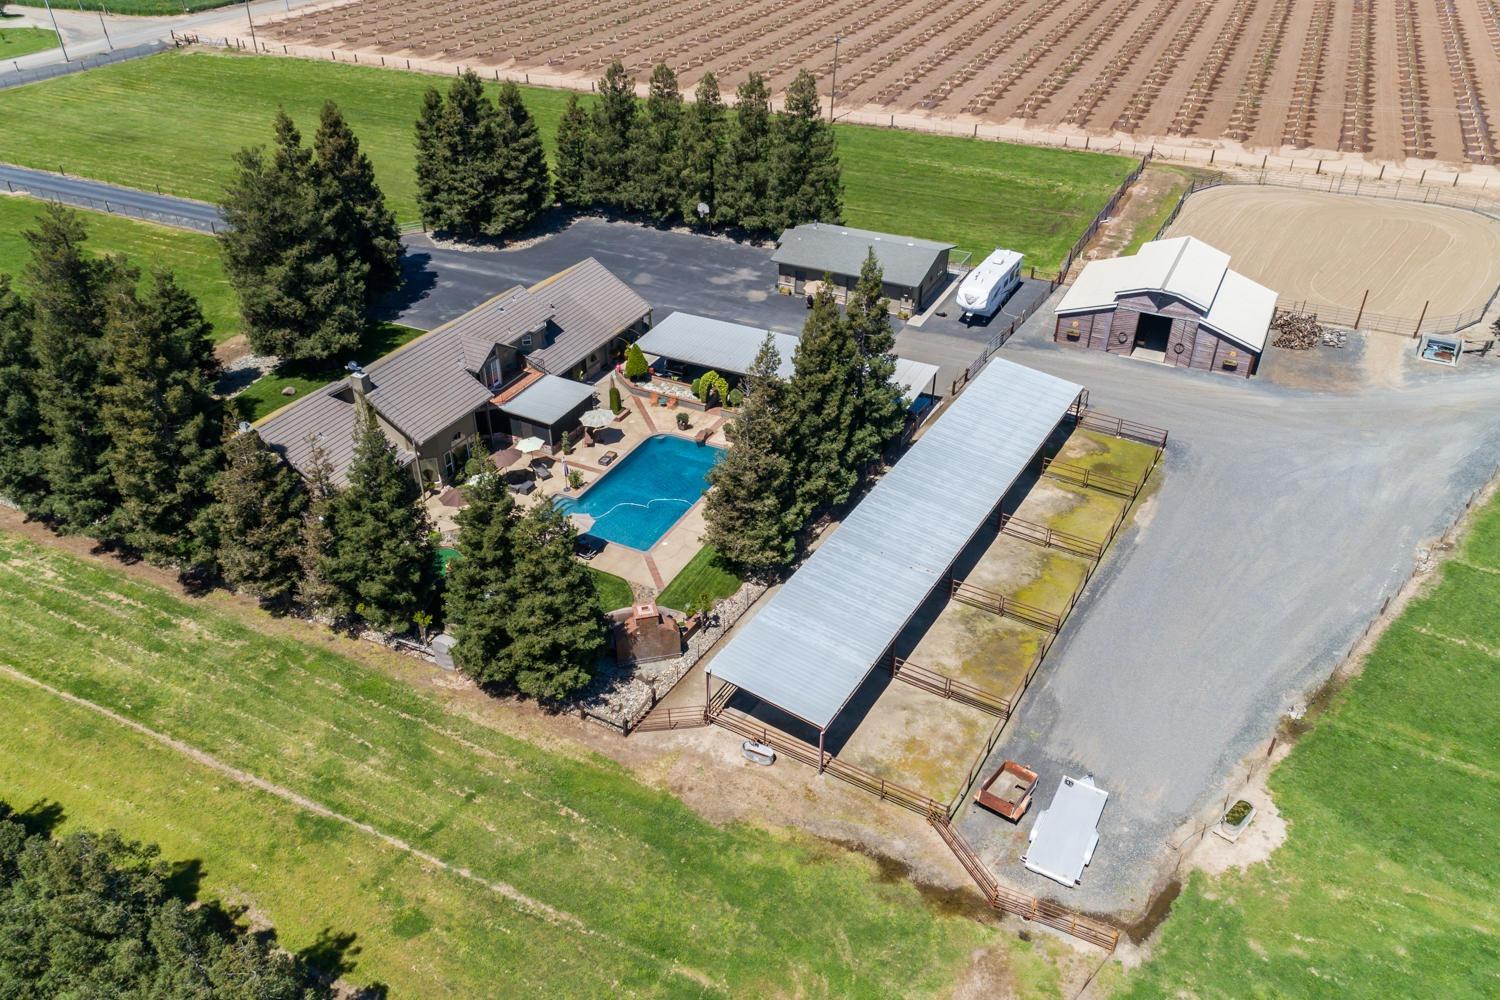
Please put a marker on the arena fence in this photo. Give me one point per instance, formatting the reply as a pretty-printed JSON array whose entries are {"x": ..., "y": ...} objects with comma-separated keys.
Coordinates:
[{"x": 1359, "y": 318}]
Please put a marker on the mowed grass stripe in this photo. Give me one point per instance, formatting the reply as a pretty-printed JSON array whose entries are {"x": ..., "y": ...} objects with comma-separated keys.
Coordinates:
[
  {"x": 173, "y": 120},
  {"x": 1389, "y": 882},
  {"x": 573, "y": 831},
  {"x": 192, "y": 257},
  {"x": 418, "y": 929}
]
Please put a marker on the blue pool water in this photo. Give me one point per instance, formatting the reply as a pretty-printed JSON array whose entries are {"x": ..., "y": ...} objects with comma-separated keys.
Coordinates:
[{"x": 635, "y": 502}]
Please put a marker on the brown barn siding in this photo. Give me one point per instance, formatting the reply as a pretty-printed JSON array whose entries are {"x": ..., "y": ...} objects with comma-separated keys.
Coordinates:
[{"x": 1125, "y": 322}]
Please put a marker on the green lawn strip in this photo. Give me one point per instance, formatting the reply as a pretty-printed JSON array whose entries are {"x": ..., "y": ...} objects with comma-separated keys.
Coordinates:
[
  {"x": 18, "y": 42},
  {"x": 421, "y": 931},
  {"x": 1387, "y": 884},
  {"x": 703, "y": 576},
  {"x": 1091, "y": 516},
  {"x": 578, "y": 833},
  {"x": 613, "y": 591},
  {"x": 1059, "y": 576},
  {"x": 1147, "y": 228},
  {"x": 107, "y": 124},
  {"x": 192, "y": 257},
  {"x": 264, "y": 397}
]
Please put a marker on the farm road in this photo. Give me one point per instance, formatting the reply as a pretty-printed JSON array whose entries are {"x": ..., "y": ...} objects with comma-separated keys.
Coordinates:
[{"x": 1283, "y": 521}]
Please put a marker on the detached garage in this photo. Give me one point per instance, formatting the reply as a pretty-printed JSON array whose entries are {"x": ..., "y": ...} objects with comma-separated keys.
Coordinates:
[{"x": 1176, "y": 302}]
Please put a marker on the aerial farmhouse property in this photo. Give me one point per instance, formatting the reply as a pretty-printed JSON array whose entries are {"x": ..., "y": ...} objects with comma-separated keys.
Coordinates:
[
  {"x": 1175, "y": 302},
  {"x": 517, "y": 364},
  {"x": 914, "y": 269}
]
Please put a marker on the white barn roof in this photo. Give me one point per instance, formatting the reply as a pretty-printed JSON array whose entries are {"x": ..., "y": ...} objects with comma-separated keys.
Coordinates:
[
  {"x": 1187, "y": 269},
  {"x": 713, "y": 343},
  {"x": 813, "y": 644}
]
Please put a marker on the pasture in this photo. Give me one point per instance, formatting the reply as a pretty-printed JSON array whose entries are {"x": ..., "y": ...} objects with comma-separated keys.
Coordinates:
[{"x": 172, "y": 121}]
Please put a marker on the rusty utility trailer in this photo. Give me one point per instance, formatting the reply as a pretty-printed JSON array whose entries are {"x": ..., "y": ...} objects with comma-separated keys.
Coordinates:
[{"x": 1008, "y": 791}]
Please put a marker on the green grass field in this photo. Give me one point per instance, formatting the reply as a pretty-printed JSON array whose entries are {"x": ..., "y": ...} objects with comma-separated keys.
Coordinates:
[
  {"x": 264, "y": 397},
  {"x": 702, "y": 576},
  {"x": 614, "y": 592},
  {"x": 172, "y": 120},
  {"x": 651, "y": 899},
  {"x": 18, "y": 42},
  {"x": 192, "y": 257},
  {"x": 1388, "y": 883}
]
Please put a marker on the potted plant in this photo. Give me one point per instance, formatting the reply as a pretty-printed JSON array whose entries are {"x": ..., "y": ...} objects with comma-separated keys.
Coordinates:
[
  {"x": 575, "y": 479},
  {"x": 1235, "y": 819},
  {"x": 683, "y": 422}
]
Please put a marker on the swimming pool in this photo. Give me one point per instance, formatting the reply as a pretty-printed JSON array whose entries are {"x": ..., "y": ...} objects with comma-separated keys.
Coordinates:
[{"x": 637, "y": 501}]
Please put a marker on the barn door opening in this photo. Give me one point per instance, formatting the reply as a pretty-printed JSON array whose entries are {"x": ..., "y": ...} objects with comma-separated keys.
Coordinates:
[{"x": 1151, "y": 336}]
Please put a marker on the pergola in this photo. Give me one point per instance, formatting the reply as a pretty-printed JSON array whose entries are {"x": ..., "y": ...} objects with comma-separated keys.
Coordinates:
[{"x": 815, "y": 642}]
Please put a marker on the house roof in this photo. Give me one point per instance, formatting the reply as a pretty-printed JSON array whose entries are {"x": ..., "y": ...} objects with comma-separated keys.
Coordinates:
[
  {"x": 814, "y": 642},
  {"x": 1186, "y": 269},
  {"x": 820, "y": 247},
  {"x": 328, "y": 419},
  {"x": 548, "y": 399},
  {"x": 426, "y": 385},
  {"x": 713, "y": 343},
  {"x": 589, "y": 306}
]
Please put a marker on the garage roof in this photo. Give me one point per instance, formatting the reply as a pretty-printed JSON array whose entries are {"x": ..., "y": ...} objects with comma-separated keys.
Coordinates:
[
  {"x": 819, "y": 247},
  {"x": 813, "y": 644},
  {"x": 1186, "y": 269},
  {"x": 713, "y": 343}
]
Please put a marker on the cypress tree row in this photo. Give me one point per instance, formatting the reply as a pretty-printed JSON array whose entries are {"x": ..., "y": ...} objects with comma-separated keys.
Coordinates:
[
  {"x": 806, "y": 180},
  {"x": 477, "y": 600},
  {"x": 699, "y": 147},
  {"x": 380, "y": 562},
  {"x": 821, "y": 401},
  {"x": 160, "y": 422},
  {"x": 525, "y": 186},
  {"x": 259, "y": 509},
  {"x": 301, "y": 283},
  {"x": 355, "y": 204},
  {"x": 607, "y": 180},
  {"x": 654, "y": 145},
  {"x": 743, "y": 176},
  {"x": 315, "y": 590},
  {"x": 21, "y": 480},
  {"x": 573, "y": 154}
]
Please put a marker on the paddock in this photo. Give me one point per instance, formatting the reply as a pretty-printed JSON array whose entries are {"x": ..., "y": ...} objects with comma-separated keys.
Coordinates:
[{"x": 1328, "y": 249}]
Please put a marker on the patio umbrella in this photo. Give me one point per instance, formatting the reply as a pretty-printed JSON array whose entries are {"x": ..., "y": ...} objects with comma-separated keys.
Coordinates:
[
  {"x": 531, "y": 445},
  {"x": 594, "y": 419}
]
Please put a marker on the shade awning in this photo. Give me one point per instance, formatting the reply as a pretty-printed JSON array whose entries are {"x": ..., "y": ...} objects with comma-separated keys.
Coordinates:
[{"x": 548, "y": 400}]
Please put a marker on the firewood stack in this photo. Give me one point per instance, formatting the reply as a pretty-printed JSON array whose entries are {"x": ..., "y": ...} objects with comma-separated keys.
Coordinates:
[{"x": 1297, "y": 331}]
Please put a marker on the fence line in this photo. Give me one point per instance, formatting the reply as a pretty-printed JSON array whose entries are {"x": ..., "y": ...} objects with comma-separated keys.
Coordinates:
[
  {"x": 947, "y": 687},
  {"x": 112, "y": 207},
  {"x": 673, "y": 718},
  {"x": 18, "y": 76},
  {"x": 1048, "y": 538}
]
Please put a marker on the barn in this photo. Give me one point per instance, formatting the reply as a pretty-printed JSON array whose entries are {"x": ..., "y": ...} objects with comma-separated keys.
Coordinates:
[{"x": 1175, "y": 302}]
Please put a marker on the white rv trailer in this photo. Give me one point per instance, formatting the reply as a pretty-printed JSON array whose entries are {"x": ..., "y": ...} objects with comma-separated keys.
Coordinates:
[
  {"x": 1064, "y": 836},
  {"x": 984, "y": 289}
]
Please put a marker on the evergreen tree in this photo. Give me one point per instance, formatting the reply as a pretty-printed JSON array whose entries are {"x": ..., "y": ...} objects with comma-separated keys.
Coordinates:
[
  {"x": 806, "y": 173},
  {"x": 573, "y": 184},
  {"x": 525, "y": 191},
  {"x": 314, "y": 589},
  {"x": 69, "y": 297},
  {"x": 553, "y": 620},
  {"x": 359, "y": 215},
  {"x": 465, "y": 142},
  {"x": 743, "y": 177},
  {"x": 478, "y": 596},
  {"x": 259, "y": 511},
  {"x": 879, "y": 405},
  {"x": 636, "y": 365},
  {"x": 381, "y": 563},
  {"x": 748, "y": 510},
  {"x": 821, "y": 400},
  {"x": 699, "y": 148},
  {"x": 160, "y": 421},
  {"x": 301, "y": 286},
  {"x": 21, "y": 481},
  {"x": 654, "y": 146},
  {"x": 432, "y": 164},
  {"x": 611, "y": 128}
]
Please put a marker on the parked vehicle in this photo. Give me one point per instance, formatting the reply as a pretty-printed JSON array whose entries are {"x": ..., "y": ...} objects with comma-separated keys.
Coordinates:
[
  {"x": 1065, "y": 834},
  {"x": 985, "y": 289}
]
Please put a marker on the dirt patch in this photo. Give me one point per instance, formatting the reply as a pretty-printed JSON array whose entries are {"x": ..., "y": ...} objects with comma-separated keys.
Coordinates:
[
  {"x": 231, "y": 350},
  {"x": 1141, "y": 211}
]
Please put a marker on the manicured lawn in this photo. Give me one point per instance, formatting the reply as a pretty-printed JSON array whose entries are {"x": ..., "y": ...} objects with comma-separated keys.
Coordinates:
[
  {"x": 264, "y": 396},
  {"x": 18, "y": 42},
  {"x": 702, "y": 577},
  {"x": 1387, "y": 884},
  {"x": 107, "y": 123},
  {"x": 658, "y": 901},
  {"x": 192, "y": 257},
  {"x": 613, "y": 591}
]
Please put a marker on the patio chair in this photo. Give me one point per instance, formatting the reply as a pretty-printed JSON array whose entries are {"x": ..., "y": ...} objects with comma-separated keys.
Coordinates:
[
  {"x": 524, "y": 488},
  {"x": 588, "y": 547}
]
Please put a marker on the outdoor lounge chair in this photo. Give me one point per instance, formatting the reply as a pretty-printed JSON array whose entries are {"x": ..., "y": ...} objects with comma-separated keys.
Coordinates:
[
  {"x": 541, "y": 470},
  {"x": 608, "y": 458},
  {"x": 588, "y": 547},
  {"x": 524, "y": 487}
]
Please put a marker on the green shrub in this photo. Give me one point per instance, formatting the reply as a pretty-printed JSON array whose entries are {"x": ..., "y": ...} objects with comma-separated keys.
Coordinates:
[
  {"x": 736, "y": 398},
  {"x": 697, "y": 387},
  {"x": 682, "y": 421},
  {"x": 614, "y": 399},
  {"x": 635, "y": 362}
]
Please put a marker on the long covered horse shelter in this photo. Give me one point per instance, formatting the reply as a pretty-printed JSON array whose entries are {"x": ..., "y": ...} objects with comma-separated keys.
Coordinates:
[{"x": 815, "y": 642}]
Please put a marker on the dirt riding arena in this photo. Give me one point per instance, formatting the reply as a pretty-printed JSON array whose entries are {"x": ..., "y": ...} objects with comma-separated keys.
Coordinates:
[
  {"x": 1389, "y": 80},
  {"x": 1327, "y": 249}
]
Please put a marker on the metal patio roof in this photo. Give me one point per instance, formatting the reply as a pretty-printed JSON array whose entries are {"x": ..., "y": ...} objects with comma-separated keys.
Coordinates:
[
  {"x": 548, "y": 400},
  {"x": 813, "y": 644},
  {"x": 713, "y": 343}
]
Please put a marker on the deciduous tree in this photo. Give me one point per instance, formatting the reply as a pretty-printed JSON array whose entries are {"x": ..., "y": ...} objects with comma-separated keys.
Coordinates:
[
  {"x": 354, "y": 202},
  {"x": 806, "y": 171},
  {"x": 259, "y": 511},
  {"x": 301, "y": 286},
  {"x": 381, "y": 563},
  {"x": 555, "y": 628},
  {"x": 160, "y": 421},
  {"x": 750, "y": 510},
  {"x": 21, "y": 480},
  {"x": 700, "y": 147},
  {"x": 479, "y": 592},
  {"x": 654, "y": 146},
  {"x": 743, "y": 178}
]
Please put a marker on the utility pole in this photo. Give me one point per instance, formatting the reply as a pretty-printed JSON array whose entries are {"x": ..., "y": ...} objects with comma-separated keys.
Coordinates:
[
  {"x": 833, "y": 91},
  {"x": 56, "y": 30},
  {"x": 102, "y": 27},
  {"x": 254, "y": 45}
]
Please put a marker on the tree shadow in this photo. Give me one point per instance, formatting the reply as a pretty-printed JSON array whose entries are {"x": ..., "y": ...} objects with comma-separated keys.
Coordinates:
[
  {"x": 332, "y": 953},
  {"x": 39, "y": 819},
  {"x": 417, "y": 280},
  {"x": 185, "y": 879}
]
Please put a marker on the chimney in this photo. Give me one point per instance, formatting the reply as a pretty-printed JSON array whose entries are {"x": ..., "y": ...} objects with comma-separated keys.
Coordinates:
[{"x": 358, "y": 380}]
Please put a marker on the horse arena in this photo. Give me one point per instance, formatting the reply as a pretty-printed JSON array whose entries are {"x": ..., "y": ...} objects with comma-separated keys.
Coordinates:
[
  {"x": 1391, "y": 80},
  {"x": 1328, "y": 249}
]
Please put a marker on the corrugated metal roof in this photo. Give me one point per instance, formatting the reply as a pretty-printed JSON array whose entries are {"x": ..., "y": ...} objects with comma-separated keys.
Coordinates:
[
  {"x": 814, "y": 643},
  {"x": 549, "y": 399},
  {"x": 713, "y": 343},
  {"x": 820, "y": 247},
  {"x": 915, "y": 378}
]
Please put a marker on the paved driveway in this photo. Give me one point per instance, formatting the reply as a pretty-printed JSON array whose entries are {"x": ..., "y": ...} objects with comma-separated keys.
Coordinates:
[{"x": 1284, "y": 520}]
